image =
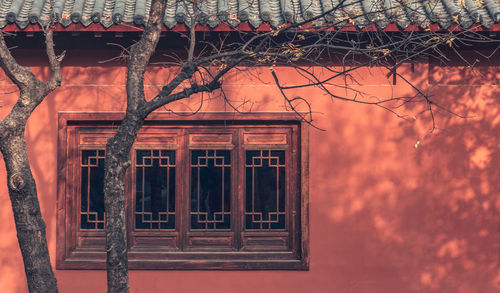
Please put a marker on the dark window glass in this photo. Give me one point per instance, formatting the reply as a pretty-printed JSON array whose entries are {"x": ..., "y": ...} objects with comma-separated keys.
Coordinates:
[
  {"x": 210, "y": 189},
  {"x": 92, "y": 195},
  {"x": 265, "y": 190},
  {"x": 155, "y": 189}
]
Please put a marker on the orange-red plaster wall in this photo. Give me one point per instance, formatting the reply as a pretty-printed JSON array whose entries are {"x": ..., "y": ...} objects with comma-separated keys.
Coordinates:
[{"x": 393, "y": 208}]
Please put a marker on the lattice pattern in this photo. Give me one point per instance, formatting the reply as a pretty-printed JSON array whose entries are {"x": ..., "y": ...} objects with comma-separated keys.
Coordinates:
[
  {"x": 155, "y": 189},
  {"x": 210, "y": 189},
  {"x": 92, "y": 216},
  {"x": 265, "y": 190}
]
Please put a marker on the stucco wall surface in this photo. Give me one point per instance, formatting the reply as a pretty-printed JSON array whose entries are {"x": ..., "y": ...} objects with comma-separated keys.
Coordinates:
[{"x": 393, "y": 207}]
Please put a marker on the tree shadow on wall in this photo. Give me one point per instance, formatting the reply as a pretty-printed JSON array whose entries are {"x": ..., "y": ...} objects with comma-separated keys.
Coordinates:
[
  {"x": 459, "y": 182},
  {"x": 412, "y": 211}
]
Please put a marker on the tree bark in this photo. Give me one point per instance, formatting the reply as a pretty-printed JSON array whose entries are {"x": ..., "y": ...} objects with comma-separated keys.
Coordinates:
[
  {"x": 116, "y": 164},
  {"x": 21, "y": 184},
  {"x": 118, "y": 149},
  {"x": 28, "y": 218}
]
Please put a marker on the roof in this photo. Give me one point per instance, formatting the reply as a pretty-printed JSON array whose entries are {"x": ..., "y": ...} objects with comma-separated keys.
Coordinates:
[{"x": 213, "y": 13}]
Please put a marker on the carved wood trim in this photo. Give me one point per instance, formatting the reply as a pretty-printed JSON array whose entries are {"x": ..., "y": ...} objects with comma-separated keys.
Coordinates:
[
  {"x": 264, "y": 138},
  {"x": 210, "y": 139}
]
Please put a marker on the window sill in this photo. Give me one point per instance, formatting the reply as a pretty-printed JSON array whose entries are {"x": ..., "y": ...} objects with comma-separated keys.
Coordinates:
[{"x": 86, "y": 260}]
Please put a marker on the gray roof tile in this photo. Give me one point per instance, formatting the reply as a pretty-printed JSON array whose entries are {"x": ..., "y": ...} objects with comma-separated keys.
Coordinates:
[{"x": 255, "y": 12}]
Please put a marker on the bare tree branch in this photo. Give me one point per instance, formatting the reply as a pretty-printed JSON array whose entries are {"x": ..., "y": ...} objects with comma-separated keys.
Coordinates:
[
  {"x": 54, "y": 61},
  {"x": 19, "y": 75}
]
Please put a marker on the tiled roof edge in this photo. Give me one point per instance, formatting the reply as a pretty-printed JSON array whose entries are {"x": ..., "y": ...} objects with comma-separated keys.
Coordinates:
[{"x": 214, "y": 13}]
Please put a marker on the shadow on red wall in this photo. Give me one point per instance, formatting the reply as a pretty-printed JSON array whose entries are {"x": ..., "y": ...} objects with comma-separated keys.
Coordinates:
[{"x": 411, "y": 211}]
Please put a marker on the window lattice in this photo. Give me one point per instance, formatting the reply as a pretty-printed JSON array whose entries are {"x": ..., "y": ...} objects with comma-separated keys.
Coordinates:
[
  {"x": 92, "y": 216},
  {"x": 265, "y": 190},
  {"x": 210, "y": 189},
  {"x": 155, "y": 189}
]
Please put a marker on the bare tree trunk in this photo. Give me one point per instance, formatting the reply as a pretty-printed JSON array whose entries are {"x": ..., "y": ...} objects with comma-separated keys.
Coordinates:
[
  {"x": 119, "y": 146},
  {"x": 22, "y": 187},
  {"x": 116, "y": 164},
  {"x": 28, "y": 218},
  {"x": 118, "y": 149}
]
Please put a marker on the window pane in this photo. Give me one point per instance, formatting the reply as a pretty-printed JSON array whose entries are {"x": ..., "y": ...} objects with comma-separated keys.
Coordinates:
[
  {"x": 210, "y": 189},
  {"x": 92, "y": 195},
  {"x": 265, "y": 190},
  {"x": 155, "y": 189}
]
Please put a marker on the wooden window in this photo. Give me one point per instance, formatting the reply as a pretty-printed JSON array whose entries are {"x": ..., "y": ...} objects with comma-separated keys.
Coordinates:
[{"x": 208, "y": 191}]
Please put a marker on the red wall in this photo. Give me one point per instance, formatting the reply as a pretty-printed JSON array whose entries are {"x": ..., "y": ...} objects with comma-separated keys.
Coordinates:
[{"x": 393, "y": 208}]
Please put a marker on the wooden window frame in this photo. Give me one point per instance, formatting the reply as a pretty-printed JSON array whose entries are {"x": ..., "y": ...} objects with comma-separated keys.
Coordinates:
[{"x": 243, "y": 250}]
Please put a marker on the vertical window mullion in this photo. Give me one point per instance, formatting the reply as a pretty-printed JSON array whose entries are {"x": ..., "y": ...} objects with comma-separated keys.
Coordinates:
[
  {"x": 183, "y": 179},
  {"x": 238, "y": 177},
  {"x": 130, "y": 199}
]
